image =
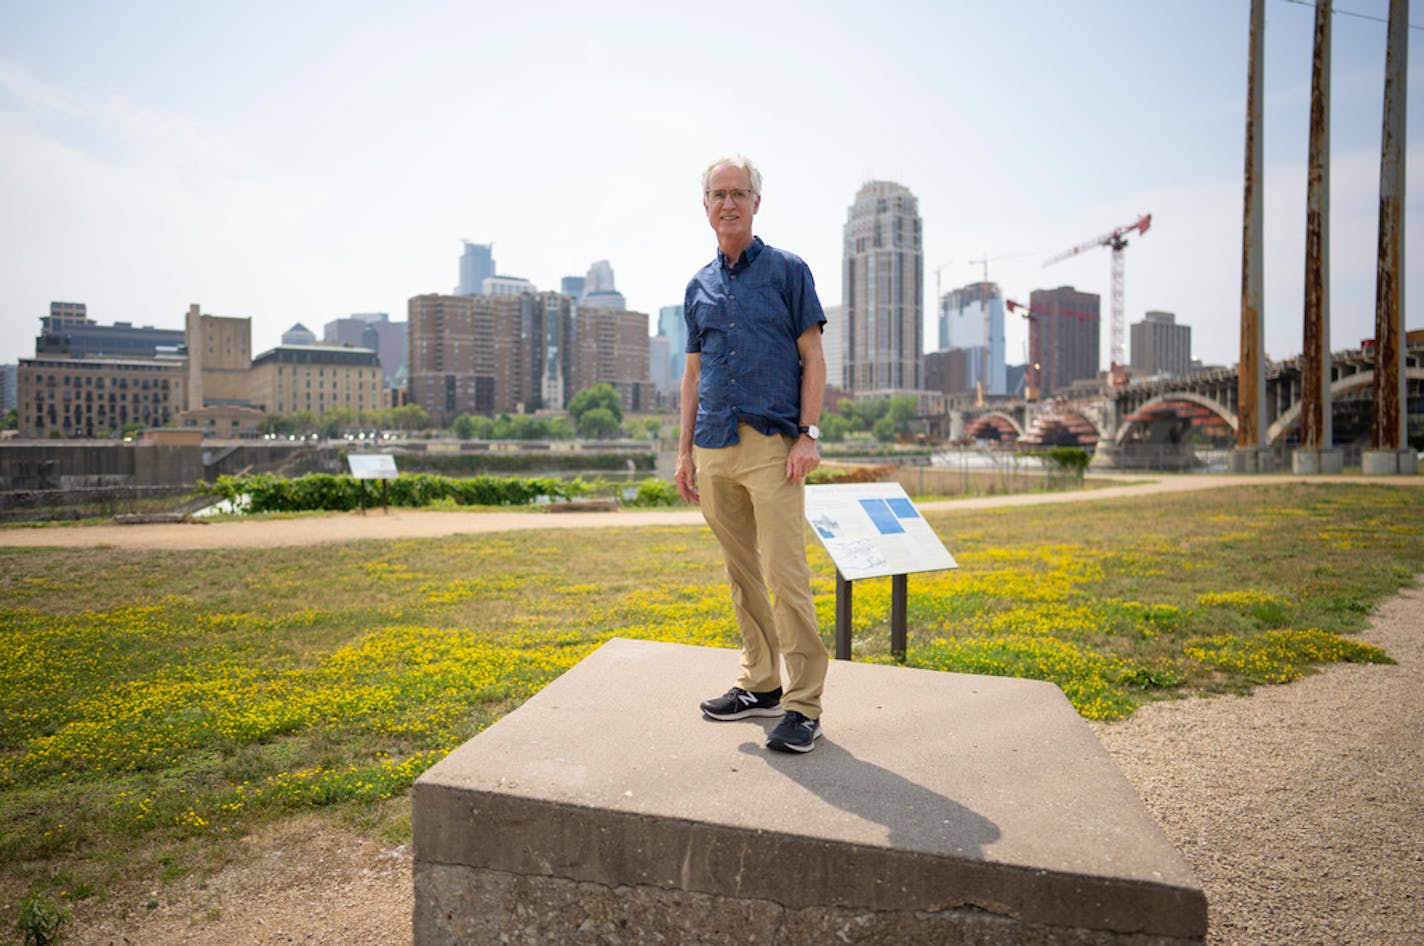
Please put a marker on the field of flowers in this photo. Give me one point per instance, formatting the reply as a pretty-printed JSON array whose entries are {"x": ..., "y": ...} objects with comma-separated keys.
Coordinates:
[{"x": 158, "y": 701}]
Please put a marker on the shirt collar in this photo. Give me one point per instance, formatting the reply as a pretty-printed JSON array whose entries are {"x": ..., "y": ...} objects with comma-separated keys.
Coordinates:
[{"x": 748, "y": 255}]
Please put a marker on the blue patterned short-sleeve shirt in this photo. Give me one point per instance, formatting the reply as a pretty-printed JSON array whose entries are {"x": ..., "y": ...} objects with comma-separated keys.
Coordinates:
[{"x": 744, "y": 318}]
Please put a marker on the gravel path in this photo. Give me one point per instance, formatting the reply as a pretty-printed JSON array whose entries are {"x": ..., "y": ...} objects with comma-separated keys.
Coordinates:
[{"x": 1300, "y": 807}]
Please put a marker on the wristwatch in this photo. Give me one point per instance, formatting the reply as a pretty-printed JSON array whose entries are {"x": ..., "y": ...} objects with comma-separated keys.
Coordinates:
[{"x": 810, "y": 430}]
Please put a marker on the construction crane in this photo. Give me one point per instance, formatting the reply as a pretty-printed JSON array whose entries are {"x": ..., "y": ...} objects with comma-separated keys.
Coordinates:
[
  {"x": 1117, "y": 239},
  {"x": 1031, "y": 368}
]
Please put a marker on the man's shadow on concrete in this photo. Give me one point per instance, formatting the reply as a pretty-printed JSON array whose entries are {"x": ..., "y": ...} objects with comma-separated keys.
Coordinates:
[{"x": 916, "y": 818}]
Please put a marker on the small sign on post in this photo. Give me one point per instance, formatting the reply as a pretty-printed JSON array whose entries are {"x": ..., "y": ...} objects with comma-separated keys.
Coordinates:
[
  {"x": 373, "y": 466},
  {"x": 873, "y": 530}
]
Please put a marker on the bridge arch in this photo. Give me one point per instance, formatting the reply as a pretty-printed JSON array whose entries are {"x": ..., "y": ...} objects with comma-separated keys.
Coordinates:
[
  {"x": 1211, "y": 404},
  {"x": 994, "y": 425},
  {"x": 1067, "y": 427},
  {"x": 1290, "y": 420}
]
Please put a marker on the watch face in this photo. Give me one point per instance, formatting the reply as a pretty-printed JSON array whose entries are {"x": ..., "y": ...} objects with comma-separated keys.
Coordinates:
[{"x": 814, "y": 432}]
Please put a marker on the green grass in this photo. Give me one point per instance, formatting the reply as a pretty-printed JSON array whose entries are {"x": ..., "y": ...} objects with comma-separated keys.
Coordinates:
[{"x": 154, "y": 705}]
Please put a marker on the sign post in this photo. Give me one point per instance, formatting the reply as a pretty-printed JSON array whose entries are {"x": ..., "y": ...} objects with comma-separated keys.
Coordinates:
[
  {"x": 373, "y": 466},
  {"x": 872, "y": 530}
]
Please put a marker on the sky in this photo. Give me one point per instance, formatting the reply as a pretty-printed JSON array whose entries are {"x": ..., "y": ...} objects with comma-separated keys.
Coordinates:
[{"x": 303, "y": 162}]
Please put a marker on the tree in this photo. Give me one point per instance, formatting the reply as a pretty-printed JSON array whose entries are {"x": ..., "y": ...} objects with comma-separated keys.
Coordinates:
[
  {"x": 410, "y": 417},
  {"x": 834, "y": 428},
  {"x": 598, "y": 423},
  {"x": 464, "y": 427},
  {"x": 601, "y": 396},
  {"x": 10, "y": 419}
]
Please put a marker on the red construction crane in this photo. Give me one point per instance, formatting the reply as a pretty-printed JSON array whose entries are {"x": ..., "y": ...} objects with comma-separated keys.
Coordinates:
[
  {"x": 1032, "y": 368},
  {"x": 1117, "y": 239}
]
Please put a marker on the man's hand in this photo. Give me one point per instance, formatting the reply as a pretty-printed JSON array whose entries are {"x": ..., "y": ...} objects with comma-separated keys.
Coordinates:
[
  {"x": 803, "y": 457},
  {"x": 685, "y": 476}
]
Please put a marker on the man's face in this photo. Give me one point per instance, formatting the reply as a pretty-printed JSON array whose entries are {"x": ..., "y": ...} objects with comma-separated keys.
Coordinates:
[{"x": 731, "y": 218}]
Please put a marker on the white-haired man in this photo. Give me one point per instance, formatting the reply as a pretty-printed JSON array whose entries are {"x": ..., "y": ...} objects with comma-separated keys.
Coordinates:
[{"x": 751, "y": 401}]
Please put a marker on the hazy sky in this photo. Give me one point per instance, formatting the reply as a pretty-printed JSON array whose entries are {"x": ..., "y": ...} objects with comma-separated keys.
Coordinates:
[{"x": 304, "y": 161}]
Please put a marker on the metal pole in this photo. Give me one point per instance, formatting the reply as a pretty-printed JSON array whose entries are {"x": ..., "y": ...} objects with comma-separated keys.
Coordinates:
[
  {"x": 1315, "y": 411},
  {"x": 899, "y": 600},
  {"x": 843, "y": 612},
  {"x": 1251, "y": 396},
  {"x": 1387, "y": 428}
]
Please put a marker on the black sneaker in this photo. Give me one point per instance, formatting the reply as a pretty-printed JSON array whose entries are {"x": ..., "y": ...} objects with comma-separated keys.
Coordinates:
[
  {"x": 795, "y": 733},
  {"x": 737, "y": 703}
]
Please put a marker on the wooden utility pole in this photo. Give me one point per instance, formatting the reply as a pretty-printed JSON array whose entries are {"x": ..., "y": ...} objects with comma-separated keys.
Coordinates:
[
  {"x": 1251, "y": 390},
  {"x": 1316, "y": 430},
  {"x": 1388, "y": 424}
]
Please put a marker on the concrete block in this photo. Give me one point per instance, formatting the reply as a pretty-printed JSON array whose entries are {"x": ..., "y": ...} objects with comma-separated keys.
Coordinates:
[
  {"x": 1305, "y": 462},
  {"x": 1379, "y": 462},
  {"x": 945, "y": 808}
]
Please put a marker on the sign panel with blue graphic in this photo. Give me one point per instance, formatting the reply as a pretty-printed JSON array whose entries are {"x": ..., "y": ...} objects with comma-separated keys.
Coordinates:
[{"x": 872, "y": 530}]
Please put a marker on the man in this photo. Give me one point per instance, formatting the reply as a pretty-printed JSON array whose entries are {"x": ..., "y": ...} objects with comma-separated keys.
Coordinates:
[{"x": 751, "y": 400}]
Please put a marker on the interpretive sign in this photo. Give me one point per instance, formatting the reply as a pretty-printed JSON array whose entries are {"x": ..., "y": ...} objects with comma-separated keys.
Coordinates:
[
  {"x": 872, "y": 530},
  {"x": 372, "y": 466}
]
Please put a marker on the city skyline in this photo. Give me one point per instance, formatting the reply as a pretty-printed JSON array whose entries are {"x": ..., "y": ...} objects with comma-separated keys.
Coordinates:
[{"x": 288, "y": 175}]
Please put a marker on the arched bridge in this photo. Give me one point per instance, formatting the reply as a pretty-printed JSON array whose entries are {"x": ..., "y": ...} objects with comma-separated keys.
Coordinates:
[{"x": 1198, "y": 408}]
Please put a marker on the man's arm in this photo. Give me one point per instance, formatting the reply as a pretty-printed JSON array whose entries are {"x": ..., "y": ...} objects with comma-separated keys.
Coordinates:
[
  {"x": 805, "y": 456},
  {"x": 685, "y": 475}
]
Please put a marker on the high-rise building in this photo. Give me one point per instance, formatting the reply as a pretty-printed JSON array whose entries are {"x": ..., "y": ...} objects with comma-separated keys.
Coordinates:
[
  {"x": 1160, "y": 346},
  {"x": 463, "y": 355},
  {"x": 833, "y": 345},
  {"x": 599, "y": 277},
  {"x": 673, "y": 325},
  {"x": 883, "y": 292},
  {"x": 599, "y": 290},
  {"x": 572, "y": 286},
  {"x": 476, "y": 265},
  {"x": 612, "y": 347},
  {"x": 660, "y": 363},
  {"x": 972, "y": 319},
  {"x": 547, "y": 347},
  {"x": 1063, "y": 338}
]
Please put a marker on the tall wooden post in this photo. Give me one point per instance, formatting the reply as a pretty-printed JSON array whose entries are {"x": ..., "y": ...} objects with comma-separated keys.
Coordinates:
[
  {"x": 1388, "y": 424},
  {"x": 1251, "y": 389},
  {"x": 1316, "y": 428}
]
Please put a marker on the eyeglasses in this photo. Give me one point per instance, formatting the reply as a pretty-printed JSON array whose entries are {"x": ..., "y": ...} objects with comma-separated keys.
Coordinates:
[{"x": 738, "y": 196}]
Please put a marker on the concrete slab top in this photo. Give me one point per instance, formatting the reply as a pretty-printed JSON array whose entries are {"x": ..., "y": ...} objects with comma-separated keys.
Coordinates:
[{"x": 987, "y": 770}]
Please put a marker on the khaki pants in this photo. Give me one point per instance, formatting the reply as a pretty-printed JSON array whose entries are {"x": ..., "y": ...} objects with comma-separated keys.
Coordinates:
[{"x": 759, "y": 517}]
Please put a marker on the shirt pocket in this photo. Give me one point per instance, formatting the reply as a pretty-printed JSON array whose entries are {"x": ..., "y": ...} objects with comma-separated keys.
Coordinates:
[{"x": 713, "y": 331}]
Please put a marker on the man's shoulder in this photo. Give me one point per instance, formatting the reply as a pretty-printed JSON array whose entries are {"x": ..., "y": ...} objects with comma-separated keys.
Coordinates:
[{"x": 782, "y": 257}]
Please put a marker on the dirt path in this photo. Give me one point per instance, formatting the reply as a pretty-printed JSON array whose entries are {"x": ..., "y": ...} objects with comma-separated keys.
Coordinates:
[
  {"x": 1300, "y": 808},
  {"x": 424, "y": 524}
]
